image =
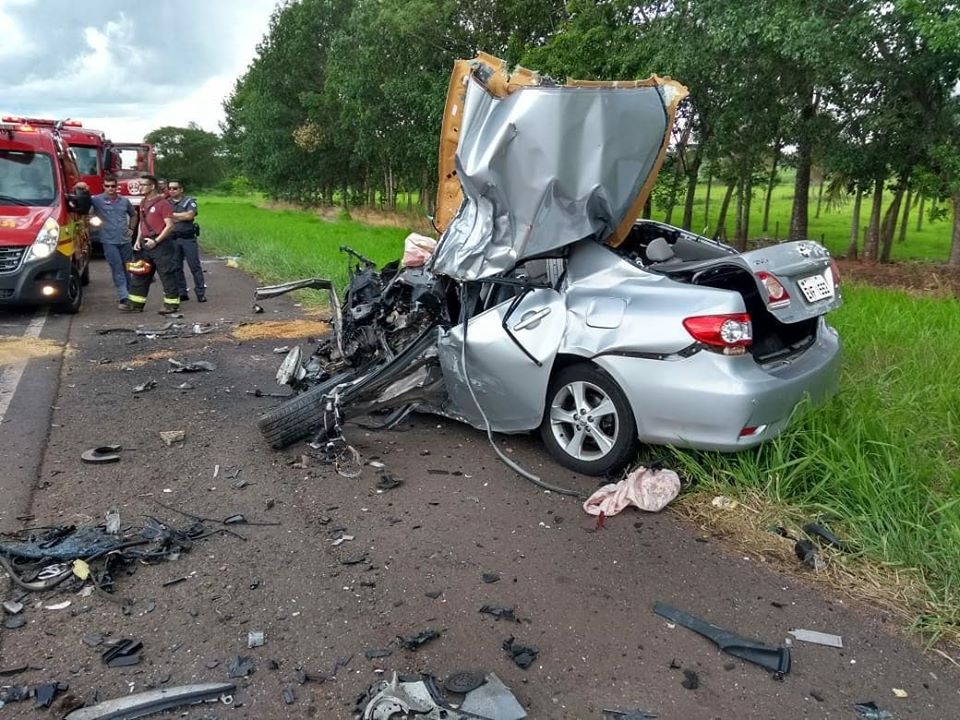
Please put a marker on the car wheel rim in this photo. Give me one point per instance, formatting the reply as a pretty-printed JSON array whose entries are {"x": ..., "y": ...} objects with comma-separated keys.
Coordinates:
[{"x": 584, "y": 421}]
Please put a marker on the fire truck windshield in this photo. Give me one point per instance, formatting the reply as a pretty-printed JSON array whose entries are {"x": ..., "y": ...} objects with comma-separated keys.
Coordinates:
[
  {"x": 87, "y": 160},
  {"x": 26, "y": 178}
]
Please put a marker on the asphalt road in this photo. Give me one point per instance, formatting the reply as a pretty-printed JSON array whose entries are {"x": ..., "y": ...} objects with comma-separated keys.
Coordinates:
[{"x": 584, "y": 597}]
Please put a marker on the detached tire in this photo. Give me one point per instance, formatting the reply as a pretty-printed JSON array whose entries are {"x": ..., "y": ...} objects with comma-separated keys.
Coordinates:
[
  {"x": 296, "y": 418},
  {"x": 588, "y": 424}
]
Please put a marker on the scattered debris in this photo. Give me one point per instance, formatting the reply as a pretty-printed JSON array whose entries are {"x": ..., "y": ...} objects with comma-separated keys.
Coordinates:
[
  {"x": 433, "y": 594},
  {"x": 12, "y": 607},
  {"x": 145, "y": 387},
  {"x": 490, "y": 577},
  {"x": 155, "y": 701},
  {"x": 14, "y": 622},
  {"x": 629, "y": 714},
  {"x": 102, "y": 455},
  {"x": 691, "y": 681},
  {"x": 463, "y": 681},
  {"x": 808, "y": 553},
  {"x": 282, "y": 350},
  {"x": 376, "y": 653},
  {"x": 388, "y": 482},
  {"x": 81, "y": 569},
  {"x": 376, "y": 465},
  {"x": 257, "y": 392},
  {"x": 184, "y": 386},
  {"x": 500, "y": 612},
  {"x": 724, "y": 503},
  {"x": 288, "y": 697},
  {"x": 171, "y": 436},
  {"x": 124, "y": 652},
  {"x": 818, "y": 638},
  {"x": 177, "y": 366},
  {"x": 342, "y": 539},
  {"x": 870, "y": 711},
  {"x": 92, "y": 640},
  {"x": 423, "y": 697},
  {"x": 45, "y": 694},
  {"x": 58, "y": 606},
  {"x": 819, "y": 531},
  {"x": 354, "y": 559},
  {"x": 776, "y": 659},
  {"x": 647, "y": 489},
  {"x": 241, "y": 666},
  {"x": 415, "y": 642},
  {"x": 257, "y": 308},
  {"x": 900, "y": 693},
  {"x": 112, "y": 521},
  {"x": 522, "y": 655},
  {"x": 255, "y": 639}
]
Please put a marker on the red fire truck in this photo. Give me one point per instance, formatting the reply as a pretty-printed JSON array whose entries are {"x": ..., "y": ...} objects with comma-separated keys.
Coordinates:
[{"x": 44, "y": 245}]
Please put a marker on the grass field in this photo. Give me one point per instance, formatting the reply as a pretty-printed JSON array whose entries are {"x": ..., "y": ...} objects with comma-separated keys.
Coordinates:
[{"x": 881, "y": 461}]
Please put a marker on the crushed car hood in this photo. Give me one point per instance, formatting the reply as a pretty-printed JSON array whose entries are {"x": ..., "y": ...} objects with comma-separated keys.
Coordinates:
[{"x": 539, "y": 166}]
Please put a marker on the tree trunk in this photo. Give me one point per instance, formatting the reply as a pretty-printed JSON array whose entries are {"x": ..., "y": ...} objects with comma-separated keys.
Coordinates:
[
  {"x": 738, "y": 230},
  {"x": 889, "y": 227},
  {"x": 823, "y": 179},
  {"x": 778, "y": 146},
  {"x": 873, "y": 229},
  {"x": 706, "y": 202},
  {"x": 745, "y": 224},
  {"x": 906, "y": 216},
  {"x": 801, "y": 187},
  {"x": 954, "y": 260},
  {"x": 724, "y": 206},
  {"x": 852, "y": 250},
  {"x": 923, "y": 200},
  {"x": 693, "y": 173}
]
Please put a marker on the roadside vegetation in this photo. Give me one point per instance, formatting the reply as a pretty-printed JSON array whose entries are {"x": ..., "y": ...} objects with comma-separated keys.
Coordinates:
[{"x": 880, "y": 463}]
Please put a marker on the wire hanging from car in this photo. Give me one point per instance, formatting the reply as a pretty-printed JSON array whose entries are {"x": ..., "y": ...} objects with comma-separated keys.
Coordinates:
[{"x": 507, "y": 461}]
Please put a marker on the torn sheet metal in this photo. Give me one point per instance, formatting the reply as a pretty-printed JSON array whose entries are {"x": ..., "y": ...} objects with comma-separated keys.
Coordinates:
[
  {"x": 547, "y": 165},
  {"x": 154, "y": 701},
  {"x": 422, "y": 697},
  {"x": 817, "y": 638}
]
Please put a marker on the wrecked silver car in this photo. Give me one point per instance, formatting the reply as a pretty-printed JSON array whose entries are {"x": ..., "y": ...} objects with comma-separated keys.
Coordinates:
[{"x": 546, "y": 305}]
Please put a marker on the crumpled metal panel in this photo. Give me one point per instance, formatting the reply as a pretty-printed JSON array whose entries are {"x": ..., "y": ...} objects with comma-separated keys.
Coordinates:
[{"x": 544, "y": 167}]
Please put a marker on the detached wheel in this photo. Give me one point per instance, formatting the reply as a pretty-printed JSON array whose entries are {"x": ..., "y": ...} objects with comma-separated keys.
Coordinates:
[
  {"x": 74, "y": 297},
  {"x": 588, "y": 425},
  {"x": 296, "y": 418}
]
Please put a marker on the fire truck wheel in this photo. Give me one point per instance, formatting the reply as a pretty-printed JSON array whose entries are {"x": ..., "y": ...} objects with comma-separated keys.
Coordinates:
[{"x": 71, "y": 303}]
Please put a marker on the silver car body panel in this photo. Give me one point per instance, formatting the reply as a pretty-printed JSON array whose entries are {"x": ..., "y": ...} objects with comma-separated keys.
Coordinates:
[{"x": 547, "y": 166}]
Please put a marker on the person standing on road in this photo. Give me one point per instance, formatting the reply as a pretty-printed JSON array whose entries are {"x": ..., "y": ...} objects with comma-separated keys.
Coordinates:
[
  {"x": 185, "y": 227},
  {"x": 118, "y": 219},
  {"x": 158, "y": 255}
]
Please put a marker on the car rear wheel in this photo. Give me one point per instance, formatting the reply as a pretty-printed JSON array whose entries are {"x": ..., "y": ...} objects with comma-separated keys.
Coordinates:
[
  {"x": 74, "y": 295},
  {"x": 588, "y": 425}
]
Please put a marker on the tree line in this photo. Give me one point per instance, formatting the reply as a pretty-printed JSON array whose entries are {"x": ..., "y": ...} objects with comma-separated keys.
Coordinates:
[{"x": 343, "y": 100}]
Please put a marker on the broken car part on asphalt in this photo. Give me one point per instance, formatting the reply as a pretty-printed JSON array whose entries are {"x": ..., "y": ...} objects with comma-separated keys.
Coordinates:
[
  {"x": 177, "y": 366},
  {"x": 817, "y": 638},
  {"x": 775, "y": 659},
  {"x": 599, "y": 329},
  {"x": 422, "y": 697},
  {"x": 523, "y": 656},
  {"x": 102, "y": 455},
  {"x": 155, "y": 701},
  {"x": 415, "y": 642}
]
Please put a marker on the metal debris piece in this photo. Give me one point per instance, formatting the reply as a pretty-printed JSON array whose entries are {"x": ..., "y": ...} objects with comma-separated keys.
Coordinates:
[
  {"x": 342, "y": 539},
  {"x": 257, "y": 308},
  {"x": 102, "y": 455},
  {"x": 818, "y": 638},
  {"x": 190, "y": 367},
  {"x": 185, "y": 386},
  {"x": 463, "y": 681},
  {"x": 388, "y": 482},
  {"x": 255, "y": 639},
  {"x": 776, "y": 659},
  {"x": 423, "y": 698},
  {"x": 237, "y": 519},
  {"x": 45, "y": 694},
  {"x": 490, "y": 577},
  {"x": 376, "y": 653},
  {"x": 415, "y": 642},
  {"x": 12, "y": 607},
  {"x": 113, "y": 521},
  {"x": 355, "y": 559},
  {"x": 288, "y": 696},
  {"x": 125, "y": 652},
  {"x": 171, "y": 436},
  {"x": 522, "y": 655},
  {"x": 282, "y": 350},
  {"x": 241, "y": 666},
  {"x": 58, "y": 606},
  {"x": 629, "y": 714},
  {"x": 500, "y": 612},
  {"x": 145, "y": 387},
  {"x": 154, "y": 701},
  {"x": 900, "y": 693},
  {"x": 92, "y": 640},
  {"x": 14, "y": 622}
]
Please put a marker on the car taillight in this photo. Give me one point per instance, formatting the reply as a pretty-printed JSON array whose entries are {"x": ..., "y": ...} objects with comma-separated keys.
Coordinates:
[
  {"x": 835, "y": 270},
  {"x": 777, "y": 295},
  {"x": 728, "y": 332}
]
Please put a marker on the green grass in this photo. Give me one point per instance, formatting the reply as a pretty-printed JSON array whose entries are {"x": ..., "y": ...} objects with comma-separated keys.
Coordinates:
[
  {"x": 931, "y": 243},
  {"x": 881, "y": 460}
]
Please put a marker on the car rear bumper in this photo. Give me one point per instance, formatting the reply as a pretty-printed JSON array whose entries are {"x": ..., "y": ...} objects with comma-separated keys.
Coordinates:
[
  {"x": 705, "y": 401},
  {"x": 25, "y": 286}
]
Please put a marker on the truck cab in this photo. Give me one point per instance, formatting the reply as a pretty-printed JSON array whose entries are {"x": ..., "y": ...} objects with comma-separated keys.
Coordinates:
[
  {"x": 128, "y": 162},
  {"x": 44, "y": 244}
]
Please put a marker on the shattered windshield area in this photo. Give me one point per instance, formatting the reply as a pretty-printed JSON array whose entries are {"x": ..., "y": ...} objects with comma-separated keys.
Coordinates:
[{"x": 26, "y": 178}]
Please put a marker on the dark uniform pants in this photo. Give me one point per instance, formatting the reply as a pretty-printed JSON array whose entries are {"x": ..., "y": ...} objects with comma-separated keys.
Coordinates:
[
  {"x": 163, "y": 258},
  {"x": 187, "y": 249}
]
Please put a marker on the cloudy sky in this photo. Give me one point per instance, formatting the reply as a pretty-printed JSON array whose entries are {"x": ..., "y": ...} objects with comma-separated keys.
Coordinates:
[{"x": 126, "y": 68}]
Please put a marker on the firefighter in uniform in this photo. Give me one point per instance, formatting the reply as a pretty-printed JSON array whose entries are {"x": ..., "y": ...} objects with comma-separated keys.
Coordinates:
[
  {"x": 185, "y": 232},
  {"x": 158, "y": 254}
]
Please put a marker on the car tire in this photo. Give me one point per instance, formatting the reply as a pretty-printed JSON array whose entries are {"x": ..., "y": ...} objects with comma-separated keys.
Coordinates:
[
  {"x": 587, "y": 443},
  {"x": 71, "y": 304},
  {"x": 296, "y": 418}
]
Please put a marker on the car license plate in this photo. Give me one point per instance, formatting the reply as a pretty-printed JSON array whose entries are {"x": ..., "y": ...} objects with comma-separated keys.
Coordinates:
[{"x": 816, "y": 287}]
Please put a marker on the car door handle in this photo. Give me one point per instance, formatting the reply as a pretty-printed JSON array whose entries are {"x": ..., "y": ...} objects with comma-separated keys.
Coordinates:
[{"x": 531, "y": 319}]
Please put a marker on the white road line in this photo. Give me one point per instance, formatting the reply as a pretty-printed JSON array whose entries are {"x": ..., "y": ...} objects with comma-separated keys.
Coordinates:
[{"x": 11, "y": 375}]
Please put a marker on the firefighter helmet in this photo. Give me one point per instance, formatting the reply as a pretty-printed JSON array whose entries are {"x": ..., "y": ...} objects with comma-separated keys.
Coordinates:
[{"x": 139, "y": 267}]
